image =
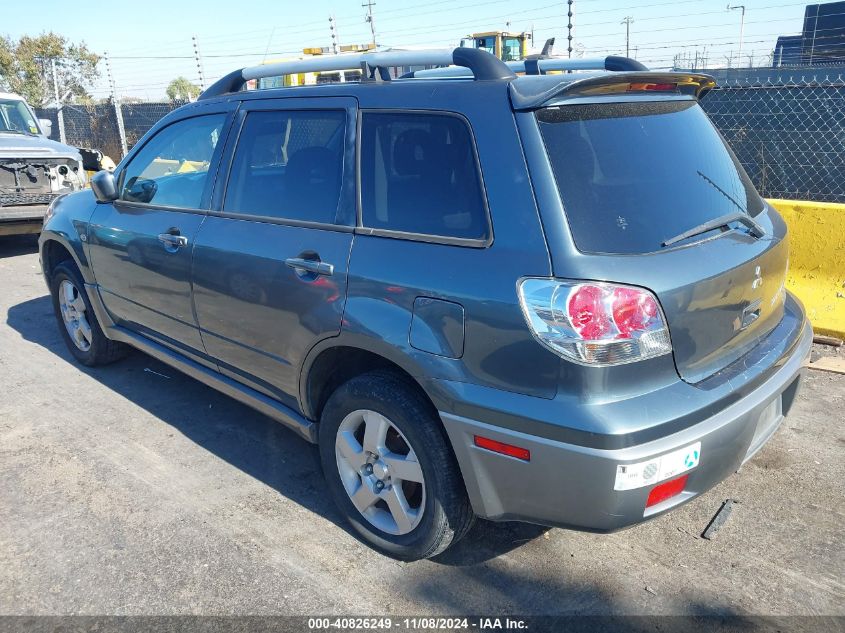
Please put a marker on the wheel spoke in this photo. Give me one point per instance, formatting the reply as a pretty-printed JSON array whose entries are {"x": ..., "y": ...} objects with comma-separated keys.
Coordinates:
[
  {"x": 85, "y": 330},
  {"x": 363, "y": 498},
  {"x": 68, "y": 290},
  {"x": 399, "y": 509},
  {"x": 404, "y": 467},
  {"x": 375, "y": 431},
  {"x": 350, "y": 449},
  {"x": 78, "y": 304},
  {"x": 78, "y": 337}
]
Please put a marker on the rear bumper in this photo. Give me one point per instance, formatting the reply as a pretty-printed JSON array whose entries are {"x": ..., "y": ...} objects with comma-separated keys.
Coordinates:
[{"x": 571, "y": 485}]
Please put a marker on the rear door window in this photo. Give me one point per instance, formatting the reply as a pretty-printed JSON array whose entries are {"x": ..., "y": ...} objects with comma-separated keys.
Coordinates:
[
  {"x": 419, "y": 175},
  {"x": 288, "y": 165},
  {"x": 632, "y": 175}
]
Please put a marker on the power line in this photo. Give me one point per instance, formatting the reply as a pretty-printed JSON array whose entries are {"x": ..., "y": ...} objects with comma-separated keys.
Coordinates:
[{"x": 417, "y": 33}]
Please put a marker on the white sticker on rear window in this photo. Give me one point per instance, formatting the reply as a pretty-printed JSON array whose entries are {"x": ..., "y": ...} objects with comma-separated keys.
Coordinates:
[{"x": 630, "y": 476}]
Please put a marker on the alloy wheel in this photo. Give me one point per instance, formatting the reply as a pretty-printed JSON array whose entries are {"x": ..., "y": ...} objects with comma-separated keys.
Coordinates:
[
  {"x": 74, "y": 315},
  {"x": 380, "y": 472}
]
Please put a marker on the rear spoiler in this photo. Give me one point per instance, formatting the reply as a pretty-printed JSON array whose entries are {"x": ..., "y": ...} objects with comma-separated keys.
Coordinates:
[{"x": 533, "y": 92}]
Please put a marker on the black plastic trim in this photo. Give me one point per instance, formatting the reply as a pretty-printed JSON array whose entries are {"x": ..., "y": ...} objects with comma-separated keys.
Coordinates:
[
  {"x": 616, "y": 63},
  {"x": 307, "y": 224},
  {"x": 233, "y": 82},
  {"x": 483, "y": 65}
]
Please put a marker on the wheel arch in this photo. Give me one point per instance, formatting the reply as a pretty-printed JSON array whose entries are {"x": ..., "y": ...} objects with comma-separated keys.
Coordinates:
[
  {"x": 336, "y": 361},
  {"x": 55, "y": 251},
  {"x": 55, "y": 246}
]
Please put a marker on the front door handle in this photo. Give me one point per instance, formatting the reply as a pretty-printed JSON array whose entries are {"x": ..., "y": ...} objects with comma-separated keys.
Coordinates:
[
  {"x": 172, "y": 241},
  {"x": 310, "y": 265}
]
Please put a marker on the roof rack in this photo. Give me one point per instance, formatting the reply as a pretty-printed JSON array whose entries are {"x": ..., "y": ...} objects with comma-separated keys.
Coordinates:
[
  {"x": 540, "y": 66},
  {"x": 478, "y": 63}
]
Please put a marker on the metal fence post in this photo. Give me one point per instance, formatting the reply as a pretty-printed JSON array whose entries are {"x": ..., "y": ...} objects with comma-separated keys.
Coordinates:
[
  {"x": 198, "y": 59},
  {"x": 118, "y": 113},
  {"x": 60, "y": 115}
]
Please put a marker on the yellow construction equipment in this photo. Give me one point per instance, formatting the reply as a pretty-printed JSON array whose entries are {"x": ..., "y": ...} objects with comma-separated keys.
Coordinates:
[
  {"x": 506, "y": 46},
  {"x": 310, "y": 79}
]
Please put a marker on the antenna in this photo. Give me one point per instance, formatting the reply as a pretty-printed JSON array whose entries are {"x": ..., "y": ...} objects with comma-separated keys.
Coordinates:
[{"x": 570, "y": 26}]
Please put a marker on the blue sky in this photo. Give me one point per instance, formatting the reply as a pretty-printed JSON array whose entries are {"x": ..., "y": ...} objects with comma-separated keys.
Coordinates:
[{"x": 151, "y": 43}]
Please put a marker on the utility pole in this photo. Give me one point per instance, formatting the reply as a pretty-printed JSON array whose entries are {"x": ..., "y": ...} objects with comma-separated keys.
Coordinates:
[
  {"x": 59, "y": 110},
  {"x": 627, "y": 22},
  {"x": 369, "y": 4},
  {"x": 813, "y": 43},
  {"x": 333, "y": 29},
  {"x": 198, "y": 59},
  {"x": 570, "y": 13},
  {"x": 741, "y": 25},
  {"x": 118, "y": 113}
]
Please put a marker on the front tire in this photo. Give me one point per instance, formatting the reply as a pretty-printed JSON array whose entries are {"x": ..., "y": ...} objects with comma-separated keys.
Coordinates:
[
  {"x": 79, "y": 327},
  {"x": 390, "y": 468}
]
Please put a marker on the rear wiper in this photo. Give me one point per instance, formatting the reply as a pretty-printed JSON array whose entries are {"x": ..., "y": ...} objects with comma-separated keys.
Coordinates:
[{"x": 755, "y": 229}]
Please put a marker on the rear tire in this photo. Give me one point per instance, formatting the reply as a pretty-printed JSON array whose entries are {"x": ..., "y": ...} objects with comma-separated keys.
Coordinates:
[
  {"x": 79, "y": 326},
  {"x": 383, "y": 446}
]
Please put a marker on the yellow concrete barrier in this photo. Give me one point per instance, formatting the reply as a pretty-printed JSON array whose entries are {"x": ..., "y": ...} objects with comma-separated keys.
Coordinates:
[{"x": 817, "y": 260}]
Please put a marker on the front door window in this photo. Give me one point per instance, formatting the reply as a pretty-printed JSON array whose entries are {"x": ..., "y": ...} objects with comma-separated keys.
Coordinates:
[{"x": 171, "y": 169}]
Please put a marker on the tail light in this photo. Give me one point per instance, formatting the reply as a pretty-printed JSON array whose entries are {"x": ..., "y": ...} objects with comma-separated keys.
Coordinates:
[{"x": 595, "y": 323}]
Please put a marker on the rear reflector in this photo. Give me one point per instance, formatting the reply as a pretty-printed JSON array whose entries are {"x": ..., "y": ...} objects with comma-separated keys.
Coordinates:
[
  {"x": 666, "y": 490},
  {"x": 505, "y": 449}
]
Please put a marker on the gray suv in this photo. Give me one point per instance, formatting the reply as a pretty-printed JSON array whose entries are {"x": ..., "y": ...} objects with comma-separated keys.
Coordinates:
[{"x": 553, "y": 297}]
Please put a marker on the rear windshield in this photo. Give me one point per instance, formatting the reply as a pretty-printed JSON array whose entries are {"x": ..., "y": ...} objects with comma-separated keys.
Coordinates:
[{"x": 633, "y": 175}]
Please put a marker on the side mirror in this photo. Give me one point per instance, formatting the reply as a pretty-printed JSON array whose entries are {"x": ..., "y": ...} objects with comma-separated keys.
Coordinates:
[
  {"x": 46, "y": 126},
  {"x": 140, "y": 190},
  {"x": 104, "y": 186}
]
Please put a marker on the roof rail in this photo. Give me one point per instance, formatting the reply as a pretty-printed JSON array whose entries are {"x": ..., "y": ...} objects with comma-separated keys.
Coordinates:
[
  {"x": 540, "y": 66},
  {"x": 480, "y": 64}
]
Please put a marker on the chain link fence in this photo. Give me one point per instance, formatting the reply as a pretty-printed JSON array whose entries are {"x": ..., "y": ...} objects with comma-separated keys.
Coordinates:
[
  {"x": 788, "y": 130},
  {"x": 786, "y": 127},
  {"x": 98, "y": 127}
]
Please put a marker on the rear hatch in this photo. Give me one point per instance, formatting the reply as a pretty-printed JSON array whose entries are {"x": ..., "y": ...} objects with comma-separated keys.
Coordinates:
[{"x": 646, "y": 177}]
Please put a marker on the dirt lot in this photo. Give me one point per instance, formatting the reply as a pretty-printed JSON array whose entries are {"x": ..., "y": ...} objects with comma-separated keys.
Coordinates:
[{"x": 133, "y": 489}]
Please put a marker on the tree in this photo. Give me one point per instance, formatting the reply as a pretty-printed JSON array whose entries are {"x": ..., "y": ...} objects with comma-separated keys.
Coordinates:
[
  {"x": 26, "y": 68},
  {"x": 181, "y": 89}
]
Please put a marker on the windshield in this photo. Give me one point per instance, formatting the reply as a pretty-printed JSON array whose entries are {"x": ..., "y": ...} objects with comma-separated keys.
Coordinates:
[
  {"x": 511, "y": 49},
  {"x": 633, "y": 175},
  {"x": 15, "y": 116}
]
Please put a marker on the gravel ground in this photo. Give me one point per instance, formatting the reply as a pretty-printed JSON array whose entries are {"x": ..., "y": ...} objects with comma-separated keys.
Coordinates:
[{"x": 133, "y": 489}]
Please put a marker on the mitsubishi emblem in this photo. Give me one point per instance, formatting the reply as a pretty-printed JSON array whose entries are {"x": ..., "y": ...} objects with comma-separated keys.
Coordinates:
[{"x": 758, "y": 279}]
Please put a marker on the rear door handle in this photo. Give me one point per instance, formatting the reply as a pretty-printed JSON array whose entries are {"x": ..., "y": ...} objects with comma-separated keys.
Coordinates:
[
  {"x": 311, "y": 265},
  {"x": 172, "y": 241}
]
